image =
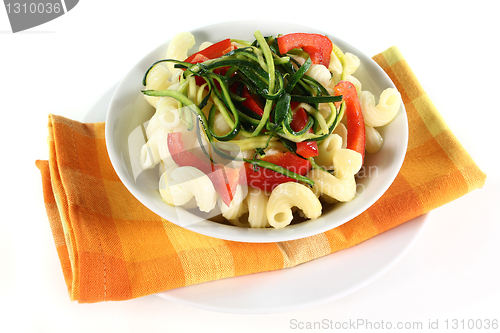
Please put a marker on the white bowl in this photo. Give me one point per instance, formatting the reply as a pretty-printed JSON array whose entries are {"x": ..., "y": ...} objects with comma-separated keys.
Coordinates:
[{"x": 128, "y": 110}]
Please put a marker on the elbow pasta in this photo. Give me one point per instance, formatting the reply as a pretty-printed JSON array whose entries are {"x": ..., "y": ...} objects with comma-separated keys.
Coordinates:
[
  {"x": 354, "y": 81},
  {"x": 346, "y": 163},
  {"x": 321, "y": 74},
  {"x": 341, "y": 131},
  {"x": 288, "y": 195},
  {"x": 352, "y": 63},
  {"x": 237, "y": 208},
  {"x": 374, "y": 140},
  {"x": 326, "y": 150},
  {"x": 335, "y": 66},
  {"x": 204, "y": 45},
  {"x": 178, "y": 49},
  {"x": 185, "y": 183},
  {"x": 336, "y": 166},
  {"x": 149, "y": 156},
  {"x": 220, "y": 125},
  {"x": 164, "y": 121},
  {"x": 157, "y": 79},
  {"x": 331, "y": 188},
  {"x": 382, "y": 113},
  {"x": 257, "y": 208},
  {"x": 332, "y": 154},
  {"x": 166, "y": 117}
]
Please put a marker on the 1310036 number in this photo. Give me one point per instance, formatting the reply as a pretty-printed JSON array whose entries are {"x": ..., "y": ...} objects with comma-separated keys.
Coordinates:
[
  {"x": 472, "y": 324},
  {"x": 33, "y": 8}
]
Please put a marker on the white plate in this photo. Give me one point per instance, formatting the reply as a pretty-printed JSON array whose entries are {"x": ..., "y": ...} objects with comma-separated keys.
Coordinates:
[{"x": 310, "y": 284}]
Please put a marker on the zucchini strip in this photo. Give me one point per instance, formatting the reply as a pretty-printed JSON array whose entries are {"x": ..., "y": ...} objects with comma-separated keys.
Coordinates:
[
  {"x": 144, "y": 79},
  {"x": 316, "y": 99},
  {"x": 280, "y": 169},
  {"x": 270, "y": 66},
  {"x": 298, "y": 75}
]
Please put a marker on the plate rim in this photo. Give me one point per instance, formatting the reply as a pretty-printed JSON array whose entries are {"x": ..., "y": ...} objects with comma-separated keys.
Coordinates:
[{"x": 414, "y": 228}]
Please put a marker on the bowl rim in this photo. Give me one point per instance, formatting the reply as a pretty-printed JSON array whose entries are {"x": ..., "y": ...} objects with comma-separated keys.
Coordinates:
[{"x": 241, "y": 234}]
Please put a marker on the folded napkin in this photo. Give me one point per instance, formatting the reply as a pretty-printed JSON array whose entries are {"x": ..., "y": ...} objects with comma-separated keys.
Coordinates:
[{"x": 113, "y": 248}]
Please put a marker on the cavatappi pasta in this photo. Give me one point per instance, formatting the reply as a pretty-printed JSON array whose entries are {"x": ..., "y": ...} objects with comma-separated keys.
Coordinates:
[{"x": 210, "y": 107}]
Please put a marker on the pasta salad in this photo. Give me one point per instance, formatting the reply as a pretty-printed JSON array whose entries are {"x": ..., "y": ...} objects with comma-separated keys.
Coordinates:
[{"x": 263, "y": 133}]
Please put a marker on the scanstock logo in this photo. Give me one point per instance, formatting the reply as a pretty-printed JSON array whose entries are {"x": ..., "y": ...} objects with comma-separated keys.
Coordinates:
[{"x": 28, "y": 14}]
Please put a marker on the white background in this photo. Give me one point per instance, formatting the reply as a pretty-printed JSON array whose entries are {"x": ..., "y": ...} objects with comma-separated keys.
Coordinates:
[{"x": 65, "y": 66}]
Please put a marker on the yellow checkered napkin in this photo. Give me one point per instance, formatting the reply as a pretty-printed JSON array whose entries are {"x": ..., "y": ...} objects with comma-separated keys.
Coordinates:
[{"x": 113, "y": 248}]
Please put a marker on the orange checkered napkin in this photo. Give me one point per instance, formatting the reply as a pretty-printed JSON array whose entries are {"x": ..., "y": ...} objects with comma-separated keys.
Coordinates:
[{"x": 113, "y": 248}]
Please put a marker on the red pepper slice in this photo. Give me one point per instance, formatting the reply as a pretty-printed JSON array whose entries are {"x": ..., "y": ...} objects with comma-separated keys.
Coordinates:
[
  {"x": 318, "y": 46},
  {"x": 267, "y": 180},
  {"x": 356, "y": 137},
  {"x": 250, "y": 102},
  {"x": 299, "y": 120},
  {"x": 199, "y": 58},
  {"x": 224, "y": 179},
  {"x": 183, "y": 157},
  {"x": 212, "y": 52},
  {"x": 305, "y": 149}
]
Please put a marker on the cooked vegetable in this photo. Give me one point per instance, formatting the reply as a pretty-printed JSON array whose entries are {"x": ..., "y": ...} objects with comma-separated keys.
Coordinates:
[
  {"x": 265, "y": 97},
  {"x": 356, "y": 136},
  {"x": 212, "y": 52},
  {"x": 267, "y": 179},
  {"x": 318, "y": 47}
]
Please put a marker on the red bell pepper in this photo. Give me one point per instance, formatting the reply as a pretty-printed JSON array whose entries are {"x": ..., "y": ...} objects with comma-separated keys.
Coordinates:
[
  {"x": 305, "y": 149},
  {"x": 356, "y": 136},
  {"x": 183, "y": 157},
  {"x": 267, "y": 180},
  {"x": 224, "y": 179},
  {"x": 199, "y": 58},
  {"x": 318, "y": 46},
  {"x": 251, "y": 103},
  {"x": 212, "y": 52}
]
